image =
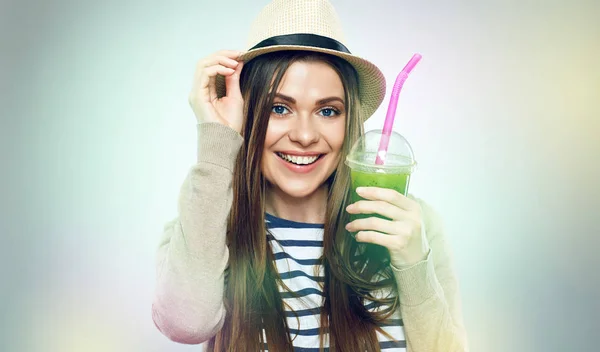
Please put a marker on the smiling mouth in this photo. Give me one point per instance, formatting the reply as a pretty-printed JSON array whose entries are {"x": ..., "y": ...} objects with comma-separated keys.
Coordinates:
[{"x": 299, "y": 160}]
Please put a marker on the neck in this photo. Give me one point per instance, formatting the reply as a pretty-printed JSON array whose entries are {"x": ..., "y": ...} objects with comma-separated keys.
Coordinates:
[{"x": 309, "y": 209}]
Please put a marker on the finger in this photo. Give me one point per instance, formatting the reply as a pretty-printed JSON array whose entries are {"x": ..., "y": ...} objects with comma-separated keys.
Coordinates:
[
  {"x": 217, "y": 60},
  {"x": 232, "y": 82},
  {"x": 374, "y": 224},
  {"x": 232, "y": 54},
  {"x": 376, "y": 207},
  {"x": 212, "y": 88},
  {"x": 387, "y": 195},
  {"x": 212, "y": 71},
  {"x": 393, "y": 243},
  {"x": 205, "y": 64},
  {"x": 206, "y": 77}
]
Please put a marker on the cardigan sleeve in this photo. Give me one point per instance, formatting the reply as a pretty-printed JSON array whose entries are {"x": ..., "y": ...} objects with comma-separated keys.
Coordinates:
[
  {"x": 429, "y": 295},
  {"x": 192, "y": 255}
]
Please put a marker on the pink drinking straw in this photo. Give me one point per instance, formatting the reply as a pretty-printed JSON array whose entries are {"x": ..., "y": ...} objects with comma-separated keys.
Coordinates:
[{"x": 391, "y": 112}]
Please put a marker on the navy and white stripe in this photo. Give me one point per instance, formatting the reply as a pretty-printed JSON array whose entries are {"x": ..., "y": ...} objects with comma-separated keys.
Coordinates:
[{"x": 297, "y": 248}]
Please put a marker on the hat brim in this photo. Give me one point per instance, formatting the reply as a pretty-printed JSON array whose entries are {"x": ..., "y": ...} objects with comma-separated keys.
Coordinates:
[{"x": 372, "y": 83}]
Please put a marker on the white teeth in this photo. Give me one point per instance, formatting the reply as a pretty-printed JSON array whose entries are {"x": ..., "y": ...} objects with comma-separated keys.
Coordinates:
[{"x": 300, "y": 160}]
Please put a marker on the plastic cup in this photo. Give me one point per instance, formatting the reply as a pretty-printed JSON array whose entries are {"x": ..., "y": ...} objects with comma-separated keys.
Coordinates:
[{"x": 395, "y": 173}]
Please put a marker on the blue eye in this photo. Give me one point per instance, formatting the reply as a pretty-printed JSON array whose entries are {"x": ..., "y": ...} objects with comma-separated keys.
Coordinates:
[
  {"x": 279, "y": 109},
  {"x": 329, "y": 112}
]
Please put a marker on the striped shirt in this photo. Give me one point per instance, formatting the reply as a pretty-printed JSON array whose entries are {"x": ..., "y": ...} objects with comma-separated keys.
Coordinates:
[{"x": 297, "y": 248}]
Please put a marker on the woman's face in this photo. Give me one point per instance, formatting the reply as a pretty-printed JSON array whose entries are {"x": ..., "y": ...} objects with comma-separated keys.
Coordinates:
[{"x": 306, "y": 129}]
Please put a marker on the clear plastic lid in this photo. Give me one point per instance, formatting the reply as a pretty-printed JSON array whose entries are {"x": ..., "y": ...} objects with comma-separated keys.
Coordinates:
[{"x": 398, "y": 159}]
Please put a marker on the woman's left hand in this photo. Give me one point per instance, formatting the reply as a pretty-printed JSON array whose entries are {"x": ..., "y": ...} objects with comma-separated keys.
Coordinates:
[{"x": 402, "y": 235}]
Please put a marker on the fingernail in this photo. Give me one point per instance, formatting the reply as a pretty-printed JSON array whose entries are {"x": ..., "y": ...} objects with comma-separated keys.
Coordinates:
[{"x": 360, "y": 189}]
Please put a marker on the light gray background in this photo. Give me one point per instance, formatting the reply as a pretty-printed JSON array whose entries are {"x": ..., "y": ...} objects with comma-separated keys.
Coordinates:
[{"x": 97, "y": 136}]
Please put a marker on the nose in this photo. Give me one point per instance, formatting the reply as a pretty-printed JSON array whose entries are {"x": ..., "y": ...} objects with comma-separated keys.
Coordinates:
[{"x": 304, "y": 132}]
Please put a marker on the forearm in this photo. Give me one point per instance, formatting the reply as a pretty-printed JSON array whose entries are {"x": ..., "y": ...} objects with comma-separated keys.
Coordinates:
[
  {"x": 431, "y": 322},
  {"x": 188, "y": 305},
  {"x": 429, "y": 295}
]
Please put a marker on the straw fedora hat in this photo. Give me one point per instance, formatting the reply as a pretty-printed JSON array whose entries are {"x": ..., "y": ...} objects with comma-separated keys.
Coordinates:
[{"x": 310, "y": 25}]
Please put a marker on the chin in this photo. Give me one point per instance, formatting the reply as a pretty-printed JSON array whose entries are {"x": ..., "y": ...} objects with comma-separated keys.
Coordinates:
[
  {"x": 297, "y": 185},
  {"x": 298, "y": 189}
]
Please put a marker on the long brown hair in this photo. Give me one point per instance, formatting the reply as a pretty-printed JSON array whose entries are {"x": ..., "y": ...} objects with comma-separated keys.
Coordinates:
[{"x": 353, "y": 271}]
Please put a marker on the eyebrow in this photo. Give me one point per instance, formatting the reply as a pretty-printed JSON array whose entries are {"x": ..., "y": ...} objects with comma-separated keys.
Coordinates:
[{"x": 319, "y": 102}]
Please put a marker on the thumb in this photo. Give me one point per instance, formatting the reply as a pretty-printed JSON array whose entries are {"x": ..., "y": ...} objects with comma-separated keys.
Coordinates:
[{"x": 232, "y": 82}]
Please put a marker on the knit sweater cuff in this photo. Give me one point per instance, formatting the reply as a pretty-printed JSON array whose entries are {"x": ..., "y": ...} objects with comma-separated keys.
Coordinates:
[
  {"x": 218, "y": 144},
  {"x": 418, "y": 283}
]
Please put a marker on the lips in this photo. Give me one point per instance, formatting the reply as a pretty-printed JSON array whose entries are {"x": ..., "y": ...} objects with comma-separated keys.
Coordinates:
[
  {"x": 300, "y": 163},
  {"x": 299, "y": 159}
]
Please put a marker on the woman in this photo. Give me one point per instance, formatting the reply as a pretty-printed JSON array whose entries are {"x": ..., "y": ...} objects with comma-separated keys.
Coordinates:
[{"x": 260, "y": 256}]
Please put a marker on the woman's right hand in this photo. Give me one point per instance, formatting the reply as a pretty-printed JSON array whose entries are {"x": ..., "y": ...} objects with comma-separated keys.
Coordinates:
[{"x": 228, "y": 110}]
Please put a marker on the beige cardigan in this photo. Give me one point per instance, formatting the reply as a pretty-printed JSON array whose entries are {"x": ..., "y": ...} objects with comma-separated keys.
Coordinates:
[{"x": 192, "y": 257}]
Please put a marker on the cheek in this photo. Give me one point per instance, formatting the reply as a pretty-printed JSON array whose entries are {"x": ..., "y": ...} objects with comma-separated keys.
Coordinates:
[
  {"x": 267, "y": 167},
  {"x": 337, "y": 137},
  {"x": 266, "y": 157},
  {"x": 339, "y": 143},
  {"x": 275, "y": 131},
  {"x": 271, "y": 137}
]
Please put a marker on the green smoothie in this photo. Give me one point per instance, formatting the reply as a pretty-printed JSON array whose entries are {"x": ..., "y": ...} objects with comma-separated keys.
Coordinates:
[
  {"x": 394, "y": 172},
  {"x": 398, "y": 182}
]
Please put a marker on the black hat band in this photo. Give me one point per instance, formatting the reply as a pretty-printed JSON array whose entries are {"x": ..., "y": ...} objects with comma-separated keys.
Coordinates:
[{"x": 303, "y": 39}]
